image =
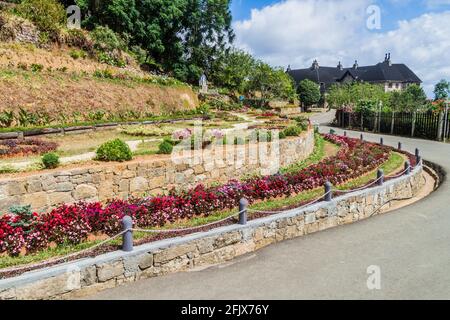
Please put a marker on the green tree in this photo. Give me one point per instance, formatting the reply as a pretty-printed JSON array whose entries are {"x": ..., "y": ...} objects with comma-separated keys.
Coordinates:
[
  {"x": 270, "y": 83},
  {"x": 233, "y": 69},
  {"x": 442, "y": 90},
  {"x": 48, "y": 15},
  {"x": 308, "y": 92},
  {"x": 414, "y": 97},
  {"x": 184, "y": 36},
  {"x": 350, "y": 95}
]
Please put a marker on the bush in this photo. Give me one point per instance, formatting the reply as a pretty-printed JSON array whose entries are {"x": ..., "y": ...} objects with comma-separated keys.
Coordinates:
[
  {"x": 77, "y": 54},
  {"x": 48, "y": 15},
  {"x": 114, "y": 150},
  {"x": 109, "y": 46},
  {"x": 77, "y": 38},
  {"x": 165, "y": 147},
  {"x": 50, "y": 160},
  {"x": 36, "y": 67},
  {"x": 292, "y": 131}
]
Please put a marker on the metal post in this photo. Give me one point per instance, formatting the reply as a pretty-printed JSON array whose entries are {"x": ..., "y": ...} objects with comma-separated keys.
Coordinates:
[
  {"x": 328, "y": 191},
  {"x": 361, "y": 137},
  {"x": 243, "y": 205},
  {"x": 381, "y": 141},
  {"x": 127, "y": 237},
  {"x": 399, "y": 146},
  {"x": 380, "y": 177},
  {"x": 413, "y": 128},
  {"x": 417, "y": 153},
  {"x": 407, "y": 168},
  {"x": 345, "y": 133}
]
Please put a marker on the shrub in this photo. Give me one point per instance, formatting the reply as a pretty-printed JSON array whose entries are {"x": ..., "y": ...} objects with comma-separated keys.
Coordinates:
[
  {"x": 165, "y": 147},
  {"x": 109, "y": 46},
  {"x": 77, "y": 38},
  {"x": 77, "y": 54},
  {"x": 48, "y": 15},
  {"x": 114, "y": 150},
  {"x": 36, "y": 67},
  {"x": 50, "y": 160},
  {"x": 292, "y": 131}
]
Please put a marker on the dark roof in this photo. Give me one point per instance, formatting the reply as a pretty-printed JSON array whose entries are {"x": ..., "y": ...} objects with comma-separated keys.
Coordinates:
[{"x": 381, "y": 72}]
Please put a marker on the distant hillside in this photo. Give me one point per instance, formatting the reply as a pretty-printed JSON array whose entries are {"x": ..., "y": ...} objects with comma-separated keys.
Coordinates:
[{"x": 62, "y": 80}]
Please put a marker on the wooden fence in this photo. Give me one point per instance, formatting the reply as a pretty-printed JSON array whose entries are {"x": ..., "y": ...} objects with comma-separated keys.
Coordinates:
[{"x": 427, "y": 125}]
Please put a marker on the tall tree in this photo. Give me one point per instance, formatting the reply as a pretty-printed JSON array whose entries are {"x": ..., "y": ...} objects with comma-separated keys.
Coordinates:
[
  {"x": 442, "y": 90},
  {"x": 269, "y": 83},
  {"x": 232, "y": 70},
  {"x": 185, "y": 36},
  {"x": 308, "y": 92}
]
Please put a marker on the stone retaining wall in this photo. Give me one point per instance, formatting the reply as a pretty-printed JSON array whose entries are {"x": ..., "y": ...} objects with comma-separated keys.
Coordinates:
[
  {"x": 88, "y": 276},
  {"x": 153, "y": 176}
]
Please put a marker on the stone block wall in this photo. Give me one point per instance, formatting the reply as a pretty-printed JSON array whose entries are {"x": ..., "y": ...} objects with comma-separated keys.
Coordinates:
[
  {"x": 88, "y": 276},
  {"x": 153, "y": 176}
]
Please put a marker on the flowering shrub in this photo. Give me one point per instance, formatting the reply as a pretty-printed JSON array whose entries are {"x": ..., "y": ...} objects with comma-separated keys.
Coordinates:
[
  {"x": 182, "y": 134},
  {"x": 73, "y": 223},
  {"x": 268, "y": 114},
  {"x": 16, "y": 147}
]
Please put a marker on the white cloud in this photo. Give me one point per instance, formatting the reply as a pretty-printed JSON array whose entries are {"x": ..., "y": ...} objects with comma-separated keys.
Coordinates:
[{"x": 297, "y": 31}]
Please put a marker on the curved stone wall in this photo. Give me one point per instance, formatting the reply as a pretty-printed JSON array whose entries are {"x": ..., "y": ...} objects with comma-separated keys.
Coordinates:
[
  {"x": 152, "y": 176},
  {"x": 89, "y": 275}
]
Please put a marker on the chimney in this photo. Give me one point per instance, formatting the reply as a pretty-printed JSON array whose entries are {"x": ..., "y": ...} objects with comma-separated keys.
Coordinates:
[
  {"x": 315, "y": 65},
  {"x": 389, "y": 59},
  {"x": 355, "y": 66},
  {"x": 340, "y": 67},
  {"x": 288, "y": 69}
]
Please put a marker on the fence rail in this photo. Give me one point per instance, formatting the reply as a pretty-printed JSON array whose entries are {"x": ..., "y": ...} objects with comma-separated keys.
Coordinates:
[{"x": 427, "y": 125}]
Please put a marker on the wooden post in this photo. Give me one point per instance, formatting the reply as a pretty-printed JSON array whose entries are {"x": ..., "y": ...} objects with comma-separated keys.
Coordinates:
[
  {"x": 440, "y": 127},
  {"x": 446, "y": 118},
  {"x": 362, "y": 121},
  {"x": 392, "y": 122},
  {"x": 375, "y": 125}
]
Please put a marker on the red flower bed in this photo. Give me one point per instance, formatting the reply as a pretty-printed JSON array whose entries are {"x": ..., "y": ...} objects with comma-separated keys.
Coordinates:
[
  {"x": 73, "y": 223},
  {"x": 15, "y": 147}
]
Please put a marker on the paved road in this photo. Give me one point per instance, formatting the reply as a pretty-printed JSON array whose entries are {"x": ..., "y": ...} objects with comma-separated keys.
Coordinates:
[{"x": 411, "y": 246}]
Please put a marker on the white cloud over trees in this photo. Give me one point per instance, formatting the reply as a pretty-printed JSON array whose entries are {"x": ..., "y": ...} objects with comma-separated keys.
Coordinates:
[{"x": 296, "y": 32}]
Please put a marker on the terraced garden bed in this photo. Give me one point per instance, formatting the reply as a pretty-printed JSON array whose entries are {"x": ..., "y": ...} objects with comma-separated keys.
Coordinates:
[{"x": 81, "y": 226}]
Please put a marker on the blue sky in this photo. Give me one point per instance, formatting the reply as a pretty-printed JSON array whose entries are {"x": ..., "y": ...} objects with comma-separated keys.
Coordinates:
[
  {"x": 392, "y": 10},
  {"x": 294, "y": 32}
]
